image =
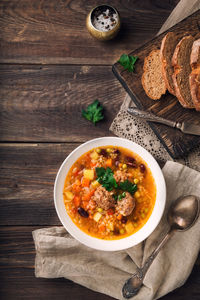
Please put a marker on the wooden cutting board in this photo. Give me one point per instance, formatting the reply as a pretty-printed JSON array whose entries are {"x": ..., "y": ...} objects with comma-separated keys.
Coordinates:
[{"x": 177, "y": 143}]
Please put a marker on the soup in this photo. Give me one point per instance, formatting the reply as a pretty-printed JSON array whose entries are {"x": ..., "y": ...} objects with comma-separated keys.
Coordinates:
[{"x": 109, "y": 192}]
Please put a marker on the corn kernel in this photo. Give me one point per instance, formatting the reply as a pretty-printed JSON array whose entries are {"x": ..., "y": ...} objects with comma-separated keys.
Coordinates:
[
  {"x": 142, "y": 215},
  {"x": 122, "y": 231},
  {"x": 108, "y": 150},
  {"x": 95, "y": 184},
  {"x": 135, "y": 180},
  {"x": 124, "y": 166},
  {"x": 99, "y": 209},
  {"x": 137, "y": 194},
  {"x": 146, "y": 210},
  {"x": 98, "y": 150}
]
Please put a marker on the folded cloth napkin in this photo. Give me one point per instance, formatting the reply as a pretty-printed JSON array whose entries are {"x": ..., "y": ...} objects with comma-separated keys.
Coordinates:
[{"x": 60, "y": 255}]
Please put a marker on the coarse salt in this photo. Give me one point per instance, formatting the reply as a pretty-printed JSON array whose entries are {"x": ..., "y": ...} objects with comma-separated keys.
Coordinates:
[{"x": 105, "y": 20}]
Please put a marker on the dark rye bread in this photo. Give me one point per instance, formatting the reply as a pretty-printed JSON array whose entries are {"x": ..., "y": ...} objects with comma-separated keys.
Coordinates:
[
  {"x": 194, "y": 77},
  {"x": 182, "y": 70},
  {"x": 152, "y": 80},
  {"x": 167, "y": 48}
]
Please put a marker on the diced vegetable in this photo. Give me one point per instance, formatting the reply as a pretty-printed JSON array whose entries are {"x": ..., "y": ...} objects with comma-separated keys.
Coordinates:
[
  {"x": 89, "y": 174},
  {"x": 124, "y": 166},
  {"x": 109, "y": 162},
  {"x": 87, "y": 196},
  {"x": 129, "y": 227},
  {"x": 99, "y": 209},
  {"x": 136, "y": 180},
  {"x": 94, "y": 155},
  {"x": 97, "y": 216},
  {"x": 85, "y": 182},
  {"x": 69, "y": 195},
  {"x": 108, "y": 150},
  {"x": 95, "y": 184},
  {"x": 111, "y": 226},
  {"x": 77, "y": 201}
]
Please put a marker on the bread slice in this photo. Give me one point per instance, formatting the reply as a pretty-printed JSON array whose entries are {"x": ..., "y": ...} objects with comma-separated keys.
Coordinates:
[
  {"x": 182, "y": 70},
  {"x": 194, "y": 77},
  {"x": 152, "y": 80},
  {"x": 167, "y": 48}
]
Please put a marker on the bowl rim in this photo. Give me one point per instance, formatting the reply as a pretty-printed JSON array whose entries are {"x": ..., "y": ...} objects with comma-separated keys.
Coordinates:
[{"x": 119, "y": 244}]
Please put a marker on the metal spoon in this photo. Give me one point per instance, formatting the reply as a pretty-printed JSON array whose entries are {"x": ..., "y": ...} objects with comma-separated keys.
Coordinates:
[{"x": 181, "y": 216}]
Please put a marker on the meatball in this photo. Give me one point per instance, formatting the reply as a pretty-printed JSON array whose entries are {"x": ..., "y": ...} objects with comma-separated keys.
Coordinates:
[
  {"x": 103, "y": 198},
  {"x": 126, "y": 205},
  {"x": 120, "y": 176}
]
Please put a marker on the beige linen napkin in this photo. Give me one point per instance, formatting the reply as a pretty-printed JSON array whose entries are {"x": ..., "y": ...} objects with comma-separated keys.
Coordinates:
[{"x": 60, "y": 255}]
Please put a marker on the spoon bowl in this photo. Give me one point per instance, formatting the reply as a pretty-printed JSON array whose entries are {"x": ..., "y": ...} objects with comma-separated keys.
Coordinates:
[
  {"x": 181, "y": 216},
  {"x": 183, "y": 213}
]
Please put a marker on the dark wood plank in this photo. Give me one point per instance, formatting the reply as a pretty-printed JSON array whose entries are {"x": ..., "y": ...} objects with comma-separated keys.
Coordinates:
[
  {"x": 27, "y": 178},
  {"x": 17, "y": 278},
  {"x": 54, "y": 32},
  {"x": 177, "y": 143},
  {"x": 44, "y": 103}
]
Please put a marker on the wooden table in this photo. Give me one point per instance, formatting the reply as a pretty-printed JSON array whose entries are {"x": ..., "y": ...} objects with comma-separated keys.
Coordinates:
[{"x": 50, "y": 69}]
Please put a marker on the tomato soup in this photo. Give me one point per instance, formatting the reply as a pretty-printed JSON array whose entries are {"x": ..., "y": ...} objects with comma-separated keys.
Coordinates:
[{"x": 109, "y": 192}]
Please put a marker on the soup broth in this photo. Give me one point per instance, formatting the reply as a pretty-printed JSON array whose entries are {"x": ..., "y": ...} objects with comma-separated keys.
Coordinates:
[{"x": 109, "y": 192}]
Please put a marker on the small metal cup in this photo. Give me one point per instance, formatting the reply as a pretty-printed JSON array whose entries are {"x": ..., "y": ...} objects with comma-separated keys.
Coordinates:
[{"x": 102, "y": 35}]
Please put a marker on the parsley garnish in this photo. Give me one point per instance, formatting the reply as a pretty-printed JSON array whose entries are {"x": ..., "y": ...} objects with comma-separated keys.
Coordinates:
[
  {"x": 93, "y": 112},
  {"x": 128, "y": 186},
  {"x": 128, "y": 62},
  {"x": 105, "y": 177}
]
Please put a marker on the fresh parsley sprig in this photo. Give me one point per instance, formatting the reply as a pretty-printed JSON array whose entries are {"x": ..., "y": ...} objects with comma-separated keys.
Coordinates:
[
  {"x": 106, "y": 178},
  {"x": 128, "y": 62},
  {"x": 128, "y": 186},
  {"x": 94, "y": 112}
]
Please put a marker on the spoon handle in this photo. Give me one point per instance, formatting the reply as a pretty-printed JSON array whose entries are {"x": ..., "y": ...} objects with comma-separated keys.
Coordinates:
[{"x": 133, "y": 284}]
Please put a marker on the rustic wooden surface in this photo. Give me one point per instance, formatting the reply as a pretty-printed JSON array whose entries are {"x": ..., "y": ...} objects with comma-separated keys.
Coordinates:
[
  {"x": 50, "y": 68},
  {"x": 177, "y": 143}
]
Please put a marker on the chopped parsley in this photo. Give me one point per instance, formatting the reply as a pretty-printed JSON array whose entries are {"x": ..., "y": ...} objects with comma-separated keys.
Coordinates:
[
  {"x": 93, "y": 112},
  {"x": 106, "y": 178},
  {"x": 128, "y": 186},
  {"x": 128, "y": 62}
]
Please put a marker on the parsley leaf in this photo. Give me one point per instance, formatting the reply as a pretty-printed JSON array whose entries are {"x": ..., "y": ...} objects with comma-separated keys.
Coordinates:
[
  {"x": 128, "y": 62},
  {"x": 93, "y": 112},
  {"x": 128, "y": 186},
  {"x": 105, "y": 177}
]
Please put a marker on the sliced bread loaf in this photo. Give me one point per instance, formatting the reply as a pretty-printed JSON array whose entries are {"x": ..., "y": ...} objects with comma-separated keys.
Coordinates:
[
  {"x": 194, "y": 77},
  {"x": 152, "y": 80},
  {"x": 182, "y": 70},
  {"x": 167, "y": 48}
]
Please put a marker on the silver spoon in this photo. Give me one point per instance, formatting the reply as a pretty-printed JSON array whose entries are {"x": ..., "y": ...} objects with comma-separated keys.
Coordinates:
[{"x": 181, "y": 216}]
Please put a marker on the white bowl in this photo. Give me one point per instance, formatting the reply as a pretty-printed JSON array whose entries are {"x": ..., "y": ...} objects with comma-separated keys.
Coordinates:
[{"x": 141, "y": 234}]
